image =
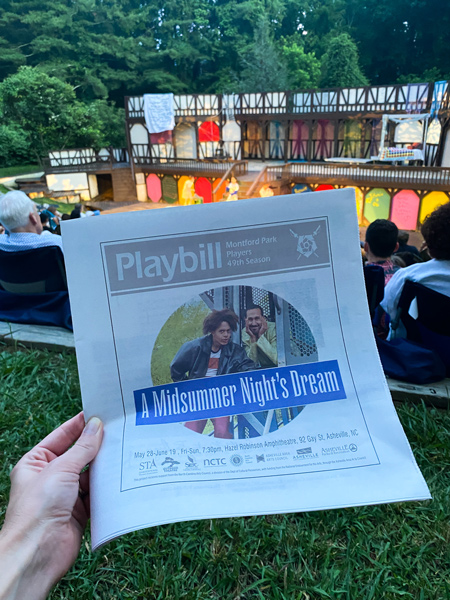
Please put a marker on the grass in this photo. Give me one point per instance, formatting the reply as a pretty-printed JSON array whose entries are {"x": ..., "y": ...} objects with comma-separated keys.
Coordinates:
[
  {"x": 19, "y": 170},
  {"x": 397, "y": 551}
]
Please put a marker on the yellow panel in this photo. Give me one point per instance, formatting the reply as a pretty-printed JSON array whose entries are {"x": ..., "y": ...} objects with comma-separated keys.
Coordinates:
[
  {"x": 430, "y": 202},
  {"x": 359, "y": 202}
]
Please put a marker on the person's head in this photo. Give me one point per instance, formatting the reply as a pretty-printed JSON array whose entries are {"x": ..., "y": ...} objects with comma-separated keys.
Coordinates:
[
  {"x": 44, "y": 218},
  {"x": 403, "y": 237},
  {"x": 220, "y": 324},
  {"x": 381, "y": 238},
  {"x": 233, "y": 179},
  {"x": 53, "y": 208},
  {"x": 436, "y": 232},
  {"x": 18, "y": 213},
  {"x": 254, "y": 318}
]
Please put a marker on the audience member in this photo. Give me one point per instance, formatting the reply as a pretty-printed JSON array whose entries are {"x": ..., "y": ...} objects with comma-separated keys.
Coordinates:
[
  {"x": 76, "y": 213},
  {"x": 403, "y": 237},
  {"x": 381, "y": 243},
  {"x": 46, "y": 229},
  {"x": 20, "y": 218},
  {"x": 408, "y": 258},
  {"x": 48, "y": 510},
  {"x": 435, "y": 273}
]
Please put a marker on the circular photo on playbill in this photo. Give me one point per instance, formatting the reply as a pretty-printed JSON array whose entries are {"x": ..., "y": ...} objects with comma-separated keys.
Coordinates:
[{"x": 232, "y": 330}]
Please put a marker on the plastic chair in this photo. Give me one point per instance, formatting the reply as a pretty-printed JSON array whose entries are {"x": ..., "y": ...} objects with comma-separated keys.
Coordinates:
[
  {"x": 431, "y": 328},
  {"x": 36, "y": 271}
]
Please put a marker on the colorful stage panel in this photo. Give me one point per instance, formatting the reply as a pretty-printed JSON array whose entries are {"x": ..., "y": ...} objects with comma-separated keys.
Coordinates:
[
  {"x": 430, "y": 202},
  {"x": 222, "y": 189},
  {"x": 154, "y": 187},
  {"x": 300, "y": 188},
  {"x": 208, "y": 132},
  {"x": 181, "y": 197},
  {"x": 405, "y": 209},
  {"x": 377, "y": 204},
  {"x": 185, "y": 141},
  {"x": 324, "y": 186},
  {"x": 203, "y": 189},
  {"x": 169, "y": 189},
  {"x": 359, "y": 201}
]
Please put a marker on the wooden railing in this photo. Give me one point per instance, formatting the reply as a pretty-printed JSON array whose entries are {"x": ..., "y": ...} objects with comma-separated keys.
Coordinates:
[
  {"x": 189, "y": 166},
  {"x": 238, "y": 168},
  {"x": 419, "y": 178}
]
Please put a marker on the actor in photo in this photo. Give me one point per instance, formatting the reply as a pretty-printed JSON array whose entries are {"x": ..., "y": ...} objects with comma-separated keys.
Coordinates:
[
  {"x": 260, "y": 338},
  {"x": 211, "y": 355}
]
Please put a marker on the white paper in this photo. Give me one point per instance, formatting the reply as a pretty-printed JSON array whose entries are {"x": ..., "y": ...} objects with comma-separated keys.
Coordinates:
[{"x": 325, "y": 431}]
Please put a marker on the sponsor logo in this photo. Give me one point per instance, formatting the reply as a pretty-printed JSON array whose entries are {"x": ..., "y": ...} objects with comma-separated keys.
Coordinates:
[
  {"x": 353, "y": 447},
  {"x": 260, "y": 458},
  {"x": 344, "y": 449},
  {"x": 170, "y": 462},
  {"x": 190, "y": 464},
  {"x": 304, "y": 450},
  {"x": 148, "y": 465},
  {"x": 236, "y": 460},
  {"x": 214, "y": 462}
]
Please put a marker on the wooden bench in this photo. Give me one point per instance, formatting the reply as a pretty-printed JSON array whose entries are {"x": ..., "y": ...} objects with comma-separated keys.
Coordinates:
[{"x": 37, "y": 336}]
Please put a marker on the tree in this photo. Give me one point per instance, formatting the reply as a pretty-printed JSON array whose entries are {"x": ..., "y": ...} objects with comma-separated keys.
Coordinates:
[
  {"x": 340, "y": 64},
  {"x": 263, "y": 70},
  {"x": 14, "y": 146},
  {"x": 303, "y": 68},
  {"x": 47, "y": 113}
]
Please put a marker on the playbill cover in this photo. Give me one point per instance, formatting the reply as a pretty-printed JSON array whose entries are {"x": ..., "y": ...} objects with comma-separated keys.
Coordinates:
[{"x": 229, "y": 352}]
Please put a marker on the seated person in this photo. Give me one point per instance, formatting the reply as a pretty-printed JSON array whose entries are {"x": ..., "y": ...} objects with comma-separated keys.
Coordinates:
[
  {"x": 46, "y": 229},
  {"x": 211, "y": 355},
  {"x": 260, "y": 338},
  {"x": 381, "y": 243},
  {"x": 403, "y": 246},
  {"x": 435, "y": 273},
  {"x": 20, "y": 218}
]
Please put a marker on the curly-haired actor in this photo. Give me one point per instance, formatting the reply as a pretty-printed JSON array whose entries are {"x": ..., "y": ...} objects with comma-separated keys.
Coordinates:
[
  {"x": 435, "y": 273},
  {"x": 213, "y": 354}
]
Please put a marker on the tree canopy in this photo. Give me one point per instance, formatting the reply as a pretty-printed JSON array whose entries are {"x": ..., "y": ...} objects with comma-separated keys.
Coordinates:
[{"x": 102, "y": 50}]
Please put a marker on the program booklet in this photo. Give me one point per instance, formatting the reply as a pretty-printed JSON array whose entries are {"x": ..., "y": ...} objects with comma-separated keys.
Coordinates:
[{"x": 229, "y": 352}]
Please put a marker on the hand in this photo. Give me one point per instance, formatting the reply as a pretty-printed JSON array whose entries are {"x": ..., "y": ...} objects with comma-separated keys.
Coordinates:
[
  {"x": 263, "y": 328},
  {"x": 48, "y": 510}
]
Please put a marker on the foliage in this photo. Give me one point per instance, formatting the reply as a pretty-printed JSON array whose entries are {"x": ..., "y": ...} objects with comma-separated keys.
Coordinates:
[
  {"x": 340, "y": 66},
  {"x": 303, "y": 69},
  {"x": 184, "y": 325},
  {"x": 43, "y": 114},
  {"x": 19, "y": 170},
  {"x": 390, "y": 552},
  {"x": 263, "y": 70},
  {"x": 14, "y": 145}
]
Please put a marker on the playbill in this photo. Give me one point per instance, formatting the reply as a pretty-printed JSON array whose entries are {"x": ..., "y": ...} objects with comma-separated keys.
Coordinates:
[{"x": 229, "y": 352}]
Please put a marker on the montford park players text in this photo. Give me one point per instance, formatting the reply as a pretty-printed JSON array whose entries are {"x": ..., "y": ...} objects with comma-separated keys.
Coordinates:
[
  {"x": 205, "y": 257},
  {"x": 242, "y": 393}
]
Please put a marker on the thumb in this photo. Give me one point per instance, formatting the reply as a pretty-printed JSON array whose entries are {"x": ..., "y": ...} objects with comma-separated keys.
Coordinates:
[{"x": 85, "y": 448}]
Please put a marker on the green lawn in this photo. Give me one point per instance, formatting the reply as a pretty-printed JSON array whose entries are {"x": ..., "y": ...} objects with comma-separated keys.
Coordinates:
[
  {"x": 391, "y": 552},
  {"x": 19, "y": 170}
]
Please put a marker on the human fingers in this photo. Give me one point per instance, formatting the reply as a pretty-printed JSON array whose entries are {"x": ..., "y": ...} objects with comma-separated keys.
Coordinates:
[
  {"x": 85, "y": 448},
  {"x": 60, "y": 440}
]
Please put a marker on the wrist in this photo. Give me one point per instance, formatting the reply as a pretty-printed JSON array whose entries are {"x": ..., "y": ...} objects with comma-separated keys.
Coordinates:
[{"x": 22, "y": 571}]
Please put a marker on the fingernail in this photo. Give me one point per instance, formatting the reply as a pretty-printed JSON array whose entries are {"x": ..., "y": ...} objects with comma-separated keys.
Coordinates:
[{"x": 92, "y": 426}]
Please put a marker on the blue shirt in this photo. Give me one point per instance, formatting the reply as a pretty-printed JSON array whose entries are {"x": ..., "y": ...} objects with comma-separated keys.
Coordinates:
[{"x": 15, "y": 242}]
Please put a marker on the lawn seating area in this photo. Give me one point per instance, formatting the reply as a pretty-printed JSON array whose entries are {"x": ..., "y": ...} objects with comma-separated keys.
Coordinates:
[{"x": 389, "y": 552}]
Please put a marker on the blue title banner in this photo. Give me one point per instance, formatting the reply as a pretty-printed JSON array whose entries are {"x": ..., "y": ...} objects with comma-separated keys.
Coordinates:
[{"x": 239, "y": 393}]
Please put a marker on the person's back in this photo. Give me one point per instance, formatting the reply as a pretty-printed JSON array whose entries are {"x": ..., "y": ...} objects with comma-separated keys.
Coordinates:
[
  {"x": 403, "y": 246},
  {"x": 381, "y": 243},
  {"x": 435, "y": 273},
  {"x": 22, "y": 222}
]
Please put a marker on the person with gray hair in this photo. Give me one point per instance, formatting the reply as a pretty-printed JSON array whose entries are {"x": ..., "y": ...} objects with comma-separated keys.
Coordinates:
[{"x": 19, "y": 217}]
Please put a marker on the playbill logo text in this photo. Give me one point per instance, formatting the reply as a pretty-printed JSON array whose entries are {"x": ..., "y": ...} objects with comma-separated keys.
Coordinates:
[
  {"x": 209, "y": 257},
  {"x": 178, "y": 260}
]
